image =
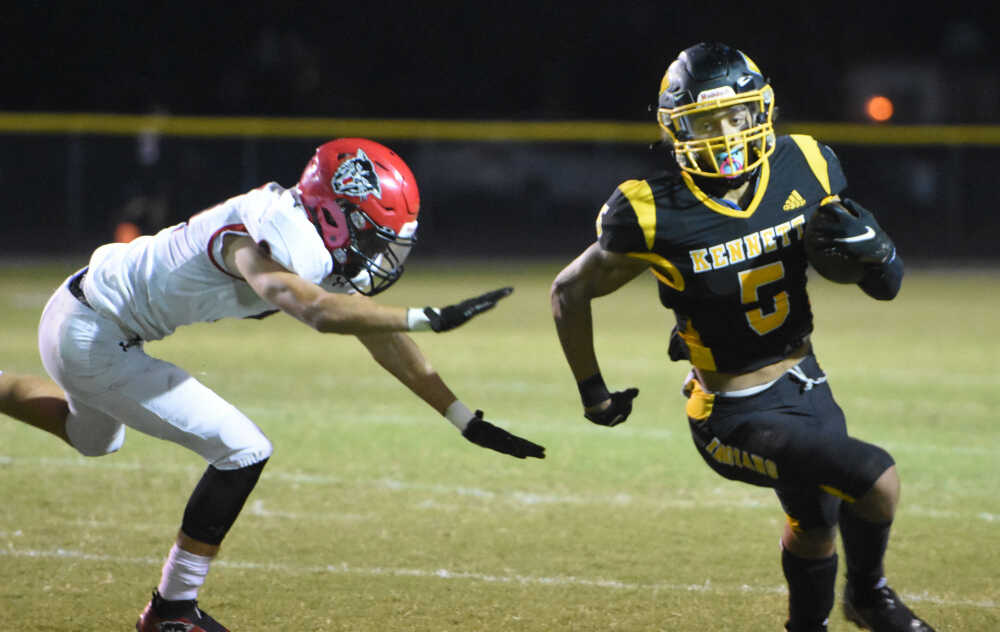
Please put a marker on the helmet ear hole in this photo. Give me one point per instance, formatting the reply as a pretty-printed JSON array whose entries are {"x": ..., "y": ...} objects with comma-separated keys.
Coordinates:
[{"x": 330, "y": 219}]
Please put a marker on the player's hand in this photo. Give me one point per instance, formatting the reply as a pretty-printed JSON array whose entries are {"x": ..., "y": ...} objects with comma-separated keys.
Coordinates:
[
  {"x": 616, "y": 412},
  {"x": 445, "y": 318},
  {"x": 857, "y": 235},
  {"x": 485, "y": 434}
]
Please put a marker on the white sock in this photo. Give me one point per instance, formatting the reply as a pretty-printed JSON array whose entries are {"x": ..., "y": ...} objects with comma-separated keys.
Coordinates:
[{"x": 183, "y": 574}]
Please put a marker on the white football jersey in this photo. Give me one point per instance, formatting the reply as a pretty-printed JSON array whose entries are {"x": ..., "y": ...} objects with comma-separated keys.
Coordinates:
[{"x": 156, "y": 283}]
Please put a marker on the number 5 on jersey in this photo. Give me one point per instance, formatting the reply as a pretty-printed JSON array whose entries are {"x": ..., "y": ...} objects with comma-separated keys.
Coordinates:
[{"x": 751, "y": 282}]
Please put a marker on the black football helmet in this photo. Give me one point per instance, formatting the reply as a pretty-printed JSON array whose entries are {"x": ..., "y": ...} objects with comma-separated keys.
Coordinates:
[{"x": 706, "y": 83}]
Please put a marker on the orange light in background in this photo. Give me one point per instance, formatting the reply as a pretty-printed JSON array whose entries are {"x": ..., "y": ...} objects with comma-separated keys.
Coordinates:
[
  {"x": 126, "y": 232},
  {"x": 879, "y": 108}
]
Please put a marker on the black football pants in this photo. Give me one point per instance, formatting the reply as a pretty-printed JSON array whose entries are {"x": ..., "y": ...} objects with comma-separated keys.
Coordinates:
[{"x": 791, "y": 437}]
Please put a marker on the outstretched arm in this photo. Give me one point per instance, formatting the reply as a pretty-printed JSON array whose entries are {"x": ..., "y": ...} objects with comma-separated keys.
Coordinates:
[
  {"x": 380, "y": 329},
  {"x": 400, "y": 356},
  {"x": 327, "y": 312},
  {"x": 596, "y": 272}
]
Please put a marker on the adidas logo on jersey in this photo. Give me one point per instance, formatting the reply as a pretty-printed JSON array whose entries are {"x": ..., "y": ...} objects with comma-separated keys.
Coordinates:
[{"x": 794, "y": 201}]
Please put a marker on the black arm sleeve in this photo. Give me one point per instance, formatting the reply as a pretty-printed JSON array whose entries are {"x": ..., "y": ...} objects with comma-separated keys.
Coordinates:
[{"x": 882, "y": 281}]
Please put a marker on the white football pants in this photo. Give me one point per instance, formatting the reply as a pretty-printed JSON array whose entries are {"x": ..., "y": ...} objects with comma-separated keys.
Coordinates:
[{"x": 111, "y": 384}]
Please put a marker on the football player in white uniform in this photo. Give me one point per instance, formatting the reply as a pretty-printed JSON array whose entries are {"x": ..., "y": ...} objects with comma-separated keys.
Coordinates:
[{"x": 317, "y": 251}]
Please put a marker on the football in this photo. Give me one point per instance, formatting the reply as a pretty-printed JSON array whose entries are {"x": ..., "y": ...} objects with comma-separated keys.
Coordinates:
[{"x": 828, "y": 256}]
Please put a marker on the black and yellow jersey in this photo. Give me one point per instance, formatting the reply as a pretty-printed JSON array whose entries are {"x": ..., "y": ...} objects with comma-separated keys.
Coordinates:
[{"x": 735, "y": 278}]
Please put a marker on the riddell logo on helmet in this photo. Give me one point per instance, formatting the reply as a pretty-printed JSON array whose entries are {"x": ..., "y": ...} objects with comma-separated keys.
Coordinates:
[
  {"x": 356, "y": 177},
  {"x": 716, "y": 93}
]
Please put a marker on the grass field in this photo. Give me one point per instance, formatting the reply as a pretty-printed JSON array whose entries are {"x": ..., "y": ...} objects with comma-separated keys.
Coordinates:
[{"x": 374, "y": 514}]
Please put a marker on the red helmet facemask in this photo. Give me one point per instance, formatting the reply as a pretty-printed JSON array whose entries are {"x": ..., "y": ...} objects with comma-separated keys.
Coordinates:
[{"x": 363, "y": 200}]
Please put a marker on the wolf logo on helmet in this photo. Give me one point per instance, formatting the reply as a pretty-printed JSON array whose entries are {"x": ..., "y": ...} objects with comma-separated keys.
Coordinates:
[{"x": 357, "y": 177}]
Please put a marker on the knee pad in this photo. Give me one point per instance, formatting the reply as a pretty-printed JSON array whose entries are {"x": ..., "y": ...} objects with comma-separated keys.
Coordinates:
[
  {"x": 253, "y": 448},
  {"x": 217, "y": 501}
]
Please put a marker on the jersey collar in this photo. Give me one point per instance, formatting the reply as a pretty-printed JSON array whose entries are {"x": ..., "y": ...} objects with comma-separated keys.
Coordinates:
[{"x": 725, "y": 209}]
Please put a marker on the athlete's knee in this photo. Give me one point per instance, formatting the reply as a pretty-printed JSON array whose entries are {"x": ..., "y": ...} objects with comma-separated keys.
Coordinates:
[
  {"x": 868, "y": 480},
  {"x": 258, "y": 449},
  {"x": 814, "y": 543},
  {"x": 879, "y": 504},
  {"x": 255, "y": 451},
  {"x": 252, "y": 447}
]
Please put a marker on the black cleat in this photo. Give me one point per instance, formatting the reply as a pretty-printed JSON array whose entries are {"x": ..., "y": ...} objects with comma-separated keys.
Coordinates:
[
  {"x": 161, "y": 615},
  {"x": 883, "y": 611}
]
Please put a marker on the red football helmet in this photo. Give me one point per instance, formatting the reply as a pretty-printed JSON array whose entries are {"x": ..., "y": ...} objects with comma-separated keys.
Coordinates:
[{"x": 364, "y": 202}]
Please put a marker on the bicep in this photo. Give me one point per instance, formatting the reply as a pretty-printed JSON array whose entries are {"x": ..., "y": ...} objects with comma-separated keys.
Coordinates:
[
  {"x": 270, "y": 280},
  {"x": 596, "y": 272},
  {"x": 324, "y": 311}
]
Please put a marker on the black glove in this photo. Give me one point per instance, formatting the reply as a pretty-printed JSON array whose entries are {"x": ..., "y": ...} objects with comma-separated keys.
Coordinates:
[
  {"x": 445, "y": 318},
  {"x": 618, "y": 411},
  {"x": 485, "y": 434},
  {"x": 853, "y": 232}
]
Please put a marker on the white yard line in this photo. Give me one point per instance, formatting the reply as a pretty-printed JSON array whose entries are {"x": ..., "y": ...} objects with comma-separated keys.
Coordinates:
[{"x": 343, "y": 568}]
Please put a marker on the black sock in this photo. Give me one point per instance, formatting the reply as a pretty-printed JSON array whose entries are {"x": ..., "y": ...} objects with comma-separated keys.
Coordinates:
[
  {"x": 810, "y": 590},
  {"x": 217, "y": 500},
  {"x": 864, "y": 549}
]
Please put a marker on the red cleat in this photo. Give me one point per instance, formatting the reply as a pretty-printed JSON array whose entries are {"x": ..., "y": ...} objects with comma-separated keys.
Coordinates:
[{"x": 161, "y": 615}]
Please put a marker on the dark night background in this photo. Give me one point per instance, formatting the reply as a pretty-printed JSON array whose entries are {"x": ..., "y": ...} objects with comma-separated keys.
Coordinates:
[
  {"x": 485, "y": 59},
  {"x": 474, "y": 60}
]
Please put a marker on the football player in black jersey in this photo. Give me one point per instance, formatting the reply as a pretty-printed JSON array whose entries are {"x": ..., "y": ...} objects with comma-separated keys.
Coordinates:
[{"x": 722, "y": 233}]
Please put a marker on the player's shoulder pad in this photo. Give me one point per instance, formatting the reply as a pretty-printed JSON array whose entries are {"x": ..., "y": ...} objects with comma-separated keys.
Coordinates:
[
  {"x": 274, "y": 215},
  {"x": 807, "y": 140},
  {"x": 822, "y": 161},
  {"x": 620, "y": 223}
]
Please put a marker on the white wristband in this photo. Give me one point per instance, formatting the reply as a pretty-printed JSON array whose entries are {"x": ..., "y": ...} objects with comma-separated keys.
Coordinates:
[
  {"x": 416, "y": 319},
  {"x": 459, "y": 415}
]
